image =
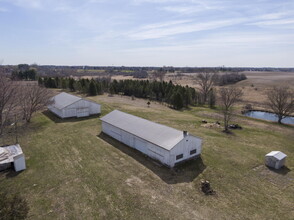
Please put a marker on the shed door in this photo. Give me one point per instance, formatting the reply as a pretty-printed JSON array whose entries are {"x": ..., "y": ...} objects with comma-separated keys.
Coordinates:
[{"x": 82, "y": 112}]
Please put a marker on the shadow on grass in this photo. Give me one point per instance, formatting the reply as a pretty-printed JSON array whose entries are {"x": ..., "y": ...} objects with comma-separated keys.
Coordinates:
[
  {"x": 9, "y": 173},
  {"x": 184, "y": 172},
  {"x": 56, "y": 119},
  {"x": 282, "y": 171}
]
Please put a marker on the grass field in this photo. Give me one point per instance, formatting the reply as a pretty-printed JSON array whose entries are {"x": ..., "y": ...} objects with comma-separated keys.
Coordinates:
[
  {"x": 255, "y": 88},
  {"x": 75, "y": 172}
]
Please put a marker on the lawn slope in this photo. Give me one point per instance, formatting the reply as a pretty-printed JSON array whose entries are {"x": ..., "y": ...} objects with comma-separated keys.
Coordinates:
[{"x": 76, "y": 172}]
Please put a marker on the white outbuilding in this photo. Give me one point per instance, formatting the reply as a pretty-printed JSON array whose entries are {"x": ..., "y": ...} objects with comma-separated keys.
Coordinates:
[
  {"x": 162, "y": 143},
  {"x": 65, "y": 105},
  {"x": 275, "y": 159},
  {"x": 12, "y": 155}
]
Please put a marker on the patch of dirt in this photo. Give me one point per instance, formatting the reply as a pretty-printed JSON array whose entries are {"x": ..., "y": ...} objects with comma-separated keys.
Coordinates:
[
  {"x": 211, "y": 125},
  {"x": 133, "y": 180},
  {"x": 281, "y": 178}
]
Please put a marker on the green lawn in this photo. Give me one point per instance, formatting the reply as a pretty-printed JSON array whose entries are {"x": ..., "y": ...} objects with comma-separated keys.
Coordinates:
[{"x": 75, "y": 172}]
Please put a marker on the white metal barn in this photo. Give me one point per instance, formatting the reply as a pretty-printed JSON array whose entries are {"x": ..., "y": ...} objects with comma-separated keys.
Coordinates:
[
  {"x": 66, "y": 105},
  {"x": 275, "y": 159},
  {"x": 165, "y": 144}
]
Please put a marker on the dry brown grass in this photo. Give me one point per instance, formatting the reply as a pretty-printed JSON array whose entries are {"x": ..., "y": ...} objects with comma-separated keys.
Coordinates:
[{"x": 75, "y": 172}]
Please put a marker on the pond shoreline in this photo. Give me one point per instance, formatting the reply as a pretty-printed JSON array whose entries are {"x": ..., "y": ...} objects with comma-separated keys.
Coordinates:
[
  {"x": 261, "y": 110},
  {"x": 268, "y": 116}
]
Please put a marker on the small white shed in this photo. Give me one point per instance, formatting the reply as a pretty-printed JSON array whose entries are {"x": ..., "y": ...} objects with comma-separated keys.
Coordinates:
[
  {"x": 162, "y": 143},
  {"x": 275, "y": 159},
  {"x": 65, "y": 105},
  {"x": 12, "y": 155}
]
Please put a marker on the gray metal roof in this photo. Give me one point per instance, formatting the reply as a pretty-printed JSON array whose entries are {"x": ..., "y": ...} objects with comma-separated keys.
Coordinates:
[
  {"x": 277, "y": 154},
  {"x": 161, "y": 135},
  {"x": 64, "y": 99}
]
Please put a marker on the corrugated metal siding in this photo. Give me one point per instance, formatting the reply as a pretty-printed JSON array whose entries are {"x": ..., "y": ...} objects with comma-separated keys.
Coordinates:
[
  {"x": 138, "y": 143},
  {"x": 94, "y": 108},
  {"x": 80, "y": 108}
]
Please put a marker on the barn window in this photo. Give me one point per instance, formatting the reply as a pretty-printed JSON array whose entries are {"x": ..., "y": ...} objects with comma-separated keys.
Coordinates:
[
  {"x": 193, "y": 152},
  {"x": 180, "y": 156}
]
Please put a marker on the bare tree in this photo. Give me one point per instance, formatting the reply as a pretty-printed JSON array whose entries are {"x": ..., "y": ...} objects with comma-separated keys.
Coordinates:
[
  {"x": 33, "y": 98},
  {"x": 206, "y": 82},
  {"x": 8, "y": 95},
  {"x": 281, "y": 101},
  {"x": 228, "y": 98},
  {"x": 159, "y": 74}
]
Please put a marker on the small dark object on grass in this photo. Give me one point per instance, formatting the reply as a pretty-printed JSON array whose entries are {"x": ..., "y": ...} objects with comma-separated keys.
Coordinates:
[
  {"x": 248, "y": 107},
  {"x": 235, "y": 126},
  {"x": 217, "y": 122},
  {"x": 206, "y": 188},
  {"x": 204, "y": 121}
]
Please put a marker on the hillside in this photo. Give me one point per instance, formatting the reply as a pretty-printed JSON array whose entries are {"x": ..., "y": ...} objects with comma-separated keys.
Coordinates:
[{"x": 75, "y": 172}]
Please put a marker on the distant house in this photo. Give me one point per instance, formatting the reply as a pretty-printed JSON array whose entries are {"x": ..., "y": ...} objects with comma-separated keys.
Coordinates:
[
  {"x": 12, "y": 155},
  {"x": 275, "y": 159},
  {"x": 165, "y": 144},
  {"x": 66, "y": 105}
]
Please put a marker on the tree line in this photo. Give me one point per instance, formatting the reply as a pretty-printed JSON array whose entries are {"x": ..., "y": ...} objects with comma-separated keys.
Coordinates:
[
  {"x": 176, "y": 96},
  {"x": 24, "y": 72},
  {"x": 229, "y": 78}
]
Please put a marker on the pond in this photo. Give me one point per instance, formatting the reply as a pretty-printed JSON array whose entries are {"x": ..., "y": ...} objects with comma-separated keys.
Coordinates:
[{"x": 268, "y": 116}]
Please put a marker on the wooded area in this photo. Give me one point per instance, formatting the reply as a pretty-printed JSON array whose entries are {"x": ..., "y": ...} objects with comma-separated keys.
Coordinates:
[{"x": 175, "y": 95}]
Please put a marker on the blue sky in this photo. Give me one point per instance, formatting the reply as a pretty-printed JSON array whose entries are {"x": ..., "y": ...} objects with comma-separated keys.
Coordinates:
[{"x": 148, "y": 32}]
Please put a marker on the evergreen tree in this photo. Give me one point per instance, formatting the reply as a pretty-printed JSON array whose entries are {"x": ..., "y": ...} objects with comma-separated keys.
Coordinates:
[
  {"x": 92, "y": 89},
  {"x": 99, "y": 88},
  {"x": 177, "y": 101},
  {"x": 63, "y": 83},
  {"x": 111, "y": 90},
  {"x": 71, "y": 83}
]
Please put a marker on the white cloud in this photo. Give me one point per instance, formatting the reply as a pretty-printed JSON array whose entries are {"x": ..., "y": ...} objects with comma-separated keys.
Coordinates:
[
  {"x": 27, "y": 3},
  {"x": 65, "y": 8},
  {"x": 237, "y": 40},
  {"x": 278, "y": 23},
  {"x": 156, "y": 33},
  {"x": 165, "y": 24}
]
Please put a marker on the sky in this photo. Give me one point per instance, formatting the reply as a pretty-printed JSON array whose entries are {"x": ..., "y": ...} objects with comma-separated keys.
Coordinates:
[{"x": 195, "y": 33}]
